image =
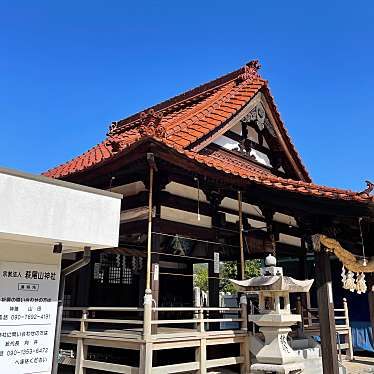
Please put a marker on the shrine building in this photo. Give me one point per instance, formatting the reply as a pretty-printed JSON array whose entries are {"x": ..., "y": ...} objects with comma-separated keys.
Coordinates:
[{"x": 209, "y": 176}]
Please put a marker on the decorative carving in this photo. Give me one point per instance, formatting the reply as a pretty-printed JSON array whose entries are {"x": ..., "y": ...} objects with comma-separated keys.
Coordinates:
[
  {"x": 113, "y": 144},
  {"x": 150, "y": 124},
  {"x": 250, "y": 71},
  {"x": 258, "y": 116},
  {"x": 368, "y": 190},
  {"x": 112, "y": 128},
  {"x": 284, "y": 343}
]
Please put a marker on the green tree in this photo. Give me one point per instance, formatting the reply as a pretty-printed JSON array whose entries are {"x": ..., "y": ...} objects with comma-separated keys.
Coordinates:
[
  {"x": 228, "y": 270},
  {"x": 200, "y": 276}
]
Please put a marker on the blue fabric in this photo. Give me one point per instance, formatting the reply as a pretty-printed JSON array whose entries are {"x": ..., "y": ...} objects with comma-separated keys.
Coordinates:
[{"x": 362, "y": 336}]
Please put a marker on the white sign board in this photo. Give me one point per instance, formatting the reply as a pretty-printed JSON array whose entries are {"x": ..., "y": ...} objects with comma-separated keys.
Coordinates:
[
  {"x": 28, "y": 306},
  {"x": 156, "y": 271},
  {"x": 216, "y": 262}
]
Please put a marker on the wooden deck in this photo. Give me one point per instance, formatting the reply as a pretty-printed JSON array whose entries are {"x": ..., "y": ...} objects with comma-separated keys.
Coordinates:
[
  {"x": 193, "y": 328},
  {"x": 163, "y": 336}
]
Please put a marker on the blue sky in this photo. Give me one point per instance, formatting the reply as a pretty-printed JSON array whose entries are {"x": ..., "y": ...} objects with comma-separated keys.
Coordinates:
[{"x": 67, "y": 69}]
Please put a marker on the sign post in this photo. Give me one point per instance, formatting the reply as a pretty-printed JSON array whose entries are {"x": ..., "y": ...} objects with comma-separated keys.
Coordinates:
[{"x": 28, "y": 304}]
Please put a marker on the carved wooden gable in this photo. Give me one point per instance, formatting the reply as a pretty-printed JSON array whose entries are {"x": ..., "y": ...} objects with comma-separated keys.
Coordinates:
[{"x": 254, "y": 137}]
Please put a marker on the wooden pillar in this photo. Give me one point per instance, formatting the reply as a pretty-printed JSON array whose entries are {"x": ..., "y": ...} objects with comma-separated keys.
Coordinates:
[
  {"x": 240, "y": 275},
  {"x": 83, "y": 285},
  {"x": 213, "y": 283},
  {"x": 370, "y": 284},
  {"x": 155, "y": 275},
  {"x": 303, "y": 274},
  {"x": 213, "y": 288},
  {"x": 215, "y": 199},
  {"x": 326, "y": 313}
]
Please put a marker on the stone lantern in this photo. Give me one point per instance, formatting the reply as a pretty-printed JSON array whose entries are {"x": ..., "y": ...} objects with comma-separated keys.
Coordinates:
[{"x": 274, "y": 318}]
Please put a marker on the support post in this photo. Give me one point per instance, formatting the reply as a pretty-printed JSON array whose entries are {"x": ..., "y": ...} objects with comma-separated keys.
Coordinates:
[
  {"x": 80, "y": 357},
  {"x": 149, "y": 238},
  {"x": 349, "y": 351},
  {"x": 200, "y": 352},
  {"x": 83, "y": 286},
  {"x": 146, "y": 359},
  {"x": 370, "y": 284},
  {"x": 146, "y": 351},
  {"x": 60, "y": 305},
  {"x": 326, "y": 313},
  {"x": 215, "y": 199},
  {"x": 242, "y": 263},
  {"x": 81, "y": 347},
  {"x": 244, "y": 347},
  {"x": 213, "y": 287},
  {"x": 155, "y": 279}
]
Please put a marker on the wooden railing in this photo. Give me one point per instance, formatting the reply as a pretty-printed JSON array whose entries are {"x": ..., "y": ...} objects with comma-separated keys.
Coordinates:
[
  {"x": 198, "y": 332},
  {"x": 201, "y": 316},
  {"x": 311, "y": 324},
  {"x": 88, "y": 315}
]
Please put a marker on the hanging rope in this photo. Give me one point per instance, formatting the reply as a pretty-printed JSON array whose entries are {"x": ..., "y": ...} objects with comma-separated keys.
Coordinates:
[{"x": 349, "y": 260}]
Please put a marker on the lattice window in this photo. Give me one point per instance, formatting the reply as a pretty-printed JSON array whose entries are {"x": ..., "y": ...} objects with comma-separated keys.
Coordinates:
[
  {"x": 114, "y": 275},
  {"x": 98, "y": 274},
  {"x": 116, "y": 268},
  {"x": 127, "y": 276}
]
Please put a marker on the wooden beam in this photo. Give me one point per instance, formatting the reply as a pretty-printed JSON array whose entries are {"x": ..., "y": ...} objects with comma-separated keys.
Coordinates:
[
  {"x": 326, "y": 313},
  {"x": 189, "y": 205}
]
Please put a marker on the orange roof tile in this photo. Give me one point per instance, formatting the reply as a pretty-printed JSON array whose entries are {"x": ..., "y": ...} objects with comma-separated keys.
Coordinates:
[
  {"x": 184, "y": 120},
  {"x": 229, "y": 164}
]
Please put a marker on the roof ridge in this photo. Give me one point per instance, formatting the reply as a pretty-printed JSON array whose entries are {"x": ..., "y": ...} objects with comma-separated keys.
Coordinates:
[{"x": 241, "y": 73}]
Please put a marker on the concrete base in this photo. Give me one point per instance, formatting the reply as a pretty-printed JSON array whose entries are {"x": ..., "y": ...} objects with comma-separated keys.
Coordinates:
[
  {"x": 276, "y": 349},
  {"x": 293, "y": 368}
]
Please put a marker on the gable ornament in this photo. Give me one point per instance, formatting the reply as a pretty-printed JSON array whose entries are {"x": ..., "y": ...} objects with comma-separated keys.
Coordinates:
[
  {"x": 150, "y": 124},
  {"x": 250, "y": 71},
  {"x": 367, "y": 191},
  {"x": 258, "y": 116}
]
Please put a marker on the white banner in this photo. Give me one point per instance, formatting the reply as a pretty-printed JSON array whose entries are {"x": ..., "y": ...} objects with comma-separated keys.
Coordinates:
[{"x": 28, "y": 306}]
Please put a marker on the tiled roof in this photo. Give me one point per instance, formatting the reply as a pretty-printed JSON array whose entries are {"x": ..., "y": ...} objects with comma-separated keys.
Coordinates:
[
  {"x": 229, "y": 164},
  {"x": 183, "y": 120}
]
